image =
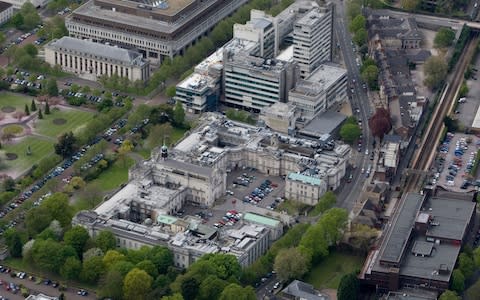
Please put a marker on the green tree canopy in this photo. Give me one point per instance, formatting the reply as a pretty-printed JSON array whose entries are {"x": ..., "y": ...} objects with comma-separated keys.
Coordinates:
[
  {"x": 52, "y": 88},
  {"x": 370, "y": 76},
  {"x": 360, "y": 37},
  {"x": 93, "y": 268},
  {"x": 435, "y": 68},
  {"x": 350, "y": 132},
  {"x": 149, "y": 267},
  {"x": 136, "y": 285},
  {"x": 58, "y": 208},
  {"x": 71, "y": 268},
  {"x": 291, "y": 263},
  {"x": 50, "y": 255},
  {"x": 410, "y": 5},
  {"x": 66, "y": 145},
  {"x": 234, "y": 291},
  {"x": 179, "y": 114},
  {"x": 348, "y": 288},
  {"x": 211, "y": 288},
  {"x": 449, "y": 295},
  {"x": 77, "y": 237},
  {"x": 111, "y": 285},
  {"x": 444, "y": 38},
  {"x": 112, "y": 257},
  {"x": 357, "y": 23},
  {"x": 105, "y": 240},
  {"x": 458, "y": 281}
]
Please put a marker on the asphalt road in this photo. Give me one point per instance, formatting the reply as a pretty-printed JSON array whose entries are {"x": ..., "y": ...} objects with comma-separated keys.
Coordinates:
[
  {"x": 49, "y": 290},
  {"x": 359, "y": 99}
]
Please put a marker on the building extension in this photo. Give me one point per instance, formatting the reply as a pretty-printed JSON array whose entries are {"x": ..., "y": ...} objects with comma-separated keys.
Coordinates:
[
  {"x": 91, "y": 60},
  {"x": 421, "y": 244},
  {"x": 158, "y": 29}
]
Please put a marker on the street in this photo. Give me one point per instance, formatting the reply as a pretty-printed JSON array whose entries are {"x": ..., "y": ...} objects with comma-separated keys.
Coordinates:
[{"x": 347, "y": 196}]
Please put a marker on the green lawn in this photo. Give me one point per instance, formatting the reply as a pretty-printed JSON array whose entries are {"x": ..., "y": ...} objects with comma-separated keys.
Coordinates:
[
  {"x": 177, "y": 134},
  {"x": 14, "y": 100},
  {"x": 115, "y": 175},
  {"x": 75, "y": 120},
  {"x": 39, "y": 148},
  {"x": 327, "y": 274}
]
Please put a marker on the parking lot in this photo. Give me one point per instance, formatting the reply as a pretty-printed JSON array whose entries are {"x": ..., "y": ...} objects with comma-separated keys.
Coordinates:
[
  {"x": 235, "y": 201},
  {"x": 455, "y": 161}
]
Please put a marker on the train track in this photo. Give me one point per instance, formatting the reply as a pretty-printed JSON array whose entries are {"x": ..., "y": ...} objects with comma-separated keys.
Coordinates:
[{"x": 426, "y": 151}]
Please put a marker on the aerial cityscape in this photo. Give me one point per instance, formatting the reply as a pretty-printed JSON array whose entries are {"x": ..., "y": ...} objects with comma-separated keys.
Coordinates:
[{"x": 239, "y": 149}]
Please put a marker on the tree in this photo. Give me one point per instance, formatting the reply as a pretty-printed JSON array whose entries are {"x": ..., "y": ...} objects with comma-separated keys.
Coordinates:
[
  {"x": 31, "y": 50},
  {"x": 444, "y": 38},
  {"x": 66, "y": 145},
  {"x": 47, "y": 108},
  {"x": 17, "y": 20},
  {"x": 472, "y": 292},
  {"x": 56, "y": 229},
  {"x": 37, "y": 219},
  {"x": 14, "y": 243},
  {"x": 325, "y": 202},
  {"x": 77, "y": 237},
  {"x": 435, "y": 68},
  {"x": 175, "y": 296},
  {"x": 179, "y": 114},
  {"x": 50, "y": 255},
  {"x": 3, "y": 38},
  {"x": 350, "y": 132},
  {"x": 348, "y": 288},
  {"x": 159, "y": 134},
  {"x": 410, "y": 5},
  {"x": 40, "y": 115},
  {"x": 8, "y": 184},
  {"x": 106, "y": 240},
  {"x": 58, "y": 208},
  {"x": 189, "y": 287},
  {"x": 33, "y": 106},
  {"x": 112, "y": 257},
  {"x": 137, "y": 285},
  {"x": 171, "y": 90},
  {"x": 27, "y": 111},
  {"x": 234, "y": 291},
  {"x": 290, "y": 263},
  {"x": 360, "y": 37},
  {"x": 92, "y": 269},
  {"x": 211, "y": 287},
  {"x": 162, "y": 257},
  {"x": 466, "y": 265},
  {"x": 357, "y": 23},
  {"x": 370, "y": 76},
  {"x": 111, "y": 285},
  {"x": 124, "y": 149},
  {"x": 225, "y": 265},
  {"x": 380, "y": 123},
  {"x": 449, "y": 295},
  {"x": 458, "y": 281},
  {"x": 71, "y": 268},
  {"x": 149, "y": 267}
]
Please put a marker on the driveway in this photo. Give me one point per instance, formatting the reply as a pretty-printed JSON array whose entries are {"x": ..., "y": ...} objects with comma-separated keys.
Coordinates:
[{"x": 34, "y": 288}]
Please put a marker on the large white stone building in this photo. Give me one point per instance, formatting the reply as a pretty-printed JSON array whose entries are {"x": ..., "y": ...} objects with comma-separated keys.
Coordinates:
[
  {"x": 6, "y": 12},
  {"x": 312, "y": 39},
  {"x": 91, "y": 60},
  {"x": 17, "y": 4},
  {"x": 324, "y": 88},
  {"x": 158, "y": 29}
]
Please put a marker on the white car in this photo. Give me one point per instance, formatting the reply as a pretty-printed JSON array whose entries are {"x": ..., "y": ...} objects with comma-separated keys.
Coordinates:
[{"x": 366, "y": 152}]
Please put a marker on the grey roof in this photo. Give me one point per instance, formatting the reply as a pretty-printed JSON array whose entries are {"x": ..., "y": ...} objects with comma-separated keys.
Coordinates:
[
  {"x": 392, "y": 138},
  {"x": 97, "y": 49},
  {"x": 411, "y": 295},
  {"x": 304, "y": 291},
  {"x": 4, "y": 6},
  {"x": 185, "y": 166},
  {"x": 323, "y": 123},
  {"x": 452, "y": 217},
  {"x": 401, "y": 227},
  {"x": 261, "y": 23}
]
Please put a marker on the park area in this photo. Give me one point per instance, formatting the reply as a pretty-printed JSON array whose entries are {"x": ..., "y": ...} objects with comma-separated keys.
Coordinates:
[{"x": 26, "y": 137}]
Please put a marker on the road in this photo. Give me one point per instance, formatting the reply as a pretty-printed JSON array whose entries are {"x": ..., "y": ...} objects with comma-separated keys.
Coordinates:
[
  {"x": 49, "y": 290},
  {"x": 348, "y": 195}
]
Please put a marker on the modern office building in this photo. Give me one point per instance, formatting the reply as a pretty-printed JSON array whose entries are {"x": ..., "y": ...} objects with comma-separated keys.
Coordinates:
[
  {"x": 6, "y": 12},
  {"x": 312, "y": 39},
  {"x": 323, "y": 89},
  {"x": 252, "y": 83},
  {"x": 158, "y": 29},
  {"x": 91, "y": 60},
  {"x": 260, "y": 29},
  {"x": 421, "y": 244}
]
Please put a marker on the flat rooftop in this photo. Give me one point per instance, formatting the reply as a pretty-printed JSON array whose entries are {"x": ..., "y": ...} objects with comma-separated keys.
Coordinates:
[
  {"x": 310, "y": 18},
  {"x": 270, "y": 222},
  {"x": 400, "y": 229},
  {"x": 97, "y": 49},
  {"x": 90, "y": 10},
  {"x": 305, "y": 179},
  {"x": 165, "y": 7},
  {"x": 324, "y": 123},
  {"x": 450, "y": 217},
  {"x": 287, "y": 54},
  {"x": 327, "y": 74}
]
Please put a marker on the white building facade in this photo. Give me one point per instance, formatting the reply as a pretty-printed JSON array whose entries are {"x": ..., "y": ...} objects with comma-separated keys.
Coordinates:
[
  {"x": 91, "y": 60},
  {"x": 312, "y": 39},
  {"x": 303, "y": 188},
  {"x": 6, "y": 12}
]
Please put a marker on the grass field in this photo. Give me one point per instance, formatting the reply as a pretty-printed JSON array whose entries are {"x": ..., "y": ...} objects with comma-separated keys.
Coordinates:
[
  {"x": 327, "y": 274},
  {"x": 177, "y": 134},
  {"x": 115, "y": 175},
  {"x": 14, "y": 100},
  {"x": 75, "y": 120},
  {"x": 40, "y": 148}
]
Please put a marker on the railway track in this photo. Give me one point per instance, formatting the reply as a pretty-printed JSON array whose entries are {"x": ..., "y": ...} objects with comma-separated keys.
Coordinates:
[{"x": 426, "y": 152}]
